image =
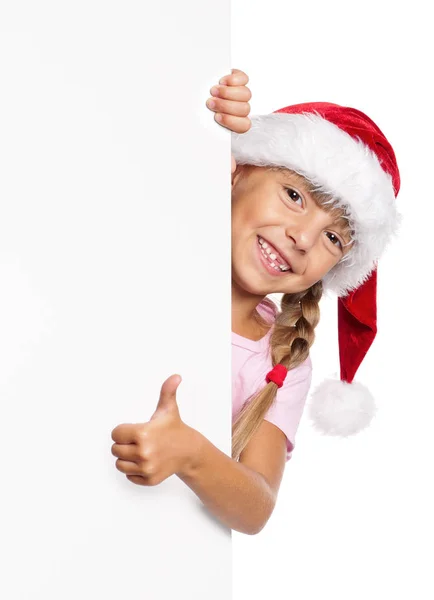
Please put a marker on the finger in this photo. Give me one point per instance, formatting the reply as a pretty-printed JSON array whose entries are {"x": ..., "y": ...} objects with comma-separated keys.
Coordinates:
[
  {"x": 236, "y": 124},
  {"x": 167, "y": 400},
  {"x": 237, "y": 109},
  {"x": 128, "y": 452},
  {"x": 237, "y": 77},
  {"x": 144, "y": 476},
  {"x": 238, "y": 93},
  {"x": 146, "y": 481},
  {"x": 240, "y": 72},
  {"x": 127, "y": 467},
  {"x": 137, "y": 479},
  {"x": 127, "y": 433}
]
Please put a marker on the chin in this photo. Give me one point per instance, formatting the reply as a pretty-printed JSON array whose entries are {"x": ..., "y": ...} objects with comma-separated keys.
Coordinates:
[{"x": 249, "y": 285}]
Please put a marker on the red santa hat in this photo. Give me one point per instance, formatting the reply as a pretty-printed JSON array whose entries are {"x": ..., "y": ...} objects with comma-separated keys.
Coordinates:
[{"x": 345, "y": 154}]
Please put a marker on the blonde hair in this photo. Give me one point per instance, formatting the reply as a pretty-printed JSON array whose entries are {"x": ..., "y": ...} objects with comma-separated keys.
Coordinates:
[{"x": 292, "y": 337}]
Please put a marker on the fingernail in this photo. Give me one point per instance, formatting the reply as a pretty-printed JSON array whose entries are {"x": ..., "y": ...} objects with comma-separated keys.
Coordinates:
[
  {"x": 223, "y": 81},
  {"x": 214, "y": 91},
  {"x": 210, "y": 103},
  {"x": 218, "y": 117}
]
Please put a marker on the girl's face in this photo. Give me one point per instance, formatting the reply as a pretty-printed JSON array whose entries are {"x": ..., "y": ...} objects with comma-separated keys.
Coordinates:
[{"x": 275, "y": 206}]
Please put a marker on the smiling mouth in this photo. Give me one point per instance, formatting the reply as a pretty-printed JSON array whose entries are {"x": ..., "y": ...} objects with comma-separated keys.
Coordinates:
[{"x": 272, "y": 257}]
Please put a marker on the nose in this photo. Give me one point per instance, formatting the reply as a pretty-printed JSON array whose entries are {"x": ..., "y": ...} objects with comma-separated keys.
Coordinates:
[{"x": 304, "y": 232}]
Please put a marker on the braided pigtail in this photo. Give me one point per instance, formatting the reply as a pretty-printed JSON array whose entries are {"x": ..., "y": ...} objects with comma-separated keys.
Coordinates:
[{"x": 290, "y": 341}]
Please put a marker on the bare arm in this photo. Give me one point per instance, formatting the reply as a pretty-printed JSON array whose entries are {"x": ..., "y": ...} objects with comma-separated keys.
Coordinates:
[{"x": 240, "y": 496}]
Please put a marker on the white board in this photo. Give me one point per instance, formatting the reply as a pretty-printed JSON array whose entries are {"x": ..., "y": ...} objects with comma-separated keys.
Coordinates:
[{"x": 114, "y": 274}]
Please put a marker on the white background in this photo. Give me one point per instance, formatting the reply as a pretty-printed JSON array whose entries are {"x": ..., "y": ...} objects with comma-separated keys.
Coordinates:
[
  {"x": 106, "y": 149},
  {"x": 354, "y": 516},
  {"x": 114, "y": 274}
]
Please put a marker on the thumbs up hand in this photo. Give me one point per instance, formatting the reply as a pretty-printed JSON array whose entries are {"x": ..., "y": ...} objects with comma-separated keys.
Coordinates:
[{"x": 148, "y": 453}]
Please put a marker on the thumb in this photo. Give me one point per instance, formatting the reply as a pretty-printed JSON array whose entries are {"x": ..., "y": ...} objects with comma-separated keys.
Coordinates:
[{"x": 167, "y": 399}]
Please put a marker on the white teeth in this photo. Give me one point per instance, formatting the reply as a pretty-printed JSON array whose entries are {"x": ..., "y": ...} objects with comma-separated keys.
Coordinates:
[
  {"x": 276, "y": 267},
  {"x": 269, "y": 254}
]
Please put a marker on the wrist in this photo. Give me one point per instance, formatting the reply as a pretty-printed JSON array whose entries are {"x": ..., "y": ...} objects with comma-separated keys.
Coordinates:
[{"x": 193, "y": 456}]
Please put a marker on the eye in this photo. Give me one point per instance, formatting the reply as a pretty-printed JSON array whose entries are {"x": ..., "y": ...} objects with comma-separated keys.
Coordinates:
[
  {"x": 295, "y": 196},
  {"x": 334, "y": 238}
]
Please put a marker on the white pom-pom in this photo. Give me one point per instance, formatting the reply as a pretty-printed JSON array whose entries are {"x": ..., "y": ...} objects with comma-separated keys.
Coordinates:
[{"x": 341, "y": 408}]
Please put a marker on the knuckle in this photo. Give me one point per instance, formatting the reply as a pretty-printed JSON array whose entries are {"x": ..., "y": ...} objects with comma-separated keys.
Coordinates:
[
  {"x": 241, "y": 78},
  {"x": 221, "y": 105},
  {"x": 234, "y": 108},
  {"x": 148, "y": 470},
  {"x": 244, "y": 125},
  {"x": 141, "y": 434},
  {"x": 222, "y": 91},
  {"x": 221, "y": 120},
  {"x": 238, "y": 72},
  {"x": 144, "y": 452},
  {"x": 246, "y": 110}
]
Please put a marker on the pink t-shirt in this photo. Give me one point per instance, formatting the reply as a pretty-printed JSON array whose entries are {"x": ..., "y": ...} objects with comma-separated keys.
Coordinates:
[{"x": 251, "y": 361}]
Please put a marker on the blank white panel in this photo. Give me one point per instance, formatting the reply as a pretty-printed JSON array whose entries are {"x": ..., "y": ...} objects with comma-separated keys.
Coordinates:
[{"x": 114, "y": 274}]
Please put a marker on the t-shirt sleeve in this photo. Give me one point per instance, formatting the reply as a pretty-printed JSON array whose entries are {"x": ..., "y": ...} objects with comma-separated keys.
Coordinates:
[{"x": 287, "y": 409}]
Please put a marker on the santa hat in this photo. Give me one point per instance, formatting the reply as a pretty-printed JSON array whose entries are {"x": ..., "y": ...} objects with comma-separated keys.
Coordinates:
[{"x": 344, "y": 153}]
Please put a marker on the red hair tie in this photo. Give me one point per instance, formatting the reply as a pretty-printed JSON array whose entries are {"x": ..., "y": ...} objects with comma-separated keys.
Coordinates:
[{"x": 277, "y": 375}]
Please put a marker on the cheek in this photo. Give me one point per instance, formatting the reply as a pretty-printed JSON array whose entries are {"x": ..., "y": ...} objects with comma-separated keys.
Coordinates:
[
  {"x": 245, "y": 217},
  {"x": 322, "y": 262},
  {"x": 330, "y": 265}
]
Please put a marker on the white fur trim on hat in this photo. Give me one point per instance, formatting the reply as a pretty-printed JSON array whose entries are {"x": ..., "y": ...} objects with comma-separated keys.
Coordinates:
[{"x": 339, "y": 165}]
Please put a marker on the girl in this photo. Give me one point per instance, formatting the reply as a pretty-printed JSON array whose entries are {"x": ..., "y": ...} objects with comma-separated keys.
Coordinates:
[
  {"x": 313, "y": 207},
  {"x": 314, "y": 190}
]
